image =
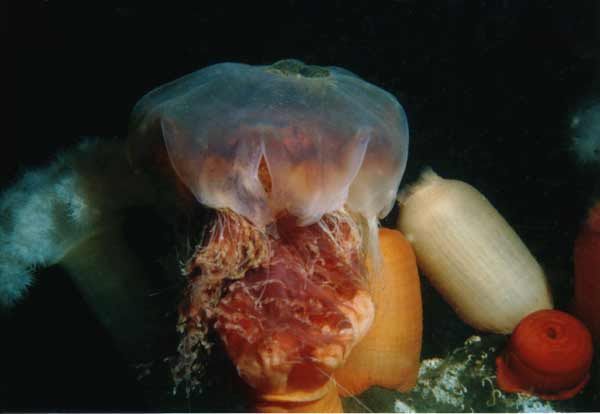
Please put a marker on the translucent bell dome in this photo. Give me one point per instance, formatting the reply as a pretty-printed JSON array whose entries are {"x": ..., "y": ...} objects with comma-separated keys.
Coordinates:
[{"x": 261, "y": 140}]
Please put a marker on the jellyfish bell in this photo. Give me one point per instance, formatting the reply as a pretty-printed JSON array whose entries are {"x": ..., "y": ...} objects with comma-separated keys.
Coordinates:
[
  {"x": 299, "y": 162},
  {"x": 327, "y": 137}
]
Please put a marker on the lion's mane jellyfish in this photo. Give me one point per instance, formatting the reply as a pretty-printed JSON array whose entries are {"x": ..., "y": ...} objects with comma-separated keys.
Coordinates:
[{"x": 299, "y": 163}]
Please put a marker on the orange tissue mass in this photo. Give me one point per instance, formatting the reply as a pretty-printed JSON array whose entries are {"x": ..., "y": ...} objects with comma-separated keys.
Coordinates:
[
  {"x": 289, "y": 323},
  {"x": 549, "y": 355}
]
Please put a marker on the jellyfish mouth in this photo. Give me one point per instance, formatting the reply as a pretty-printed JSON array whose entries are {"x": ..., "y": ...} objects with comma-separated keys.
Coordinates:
[{"x": 288, "y": 303}]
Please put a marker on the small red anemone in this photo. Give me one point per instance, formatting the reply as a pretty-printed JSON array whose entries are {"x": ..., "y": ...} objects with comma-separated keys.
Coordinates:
[{"x": 549, "y": 355}]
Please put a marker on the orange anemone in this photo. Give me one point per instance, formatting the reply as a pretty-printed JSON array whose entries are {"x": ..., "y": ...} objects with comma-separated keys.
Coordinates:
[
  {"x": 549, "y": 355},
  {"x": 389, "y": 354}
]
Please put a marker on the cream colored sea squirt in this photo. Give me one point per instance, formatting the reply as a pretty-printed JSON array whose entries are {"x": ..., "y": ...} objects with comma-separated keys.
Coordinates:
[{"x": 471, "y": 255}]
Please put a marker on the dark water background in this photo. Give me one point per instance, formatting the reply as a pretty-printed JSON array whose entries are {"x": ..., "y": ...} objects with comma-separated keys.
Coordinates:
[{"x": 489, "y": 88}]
